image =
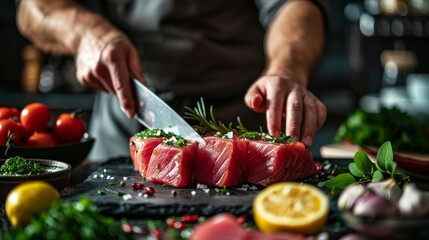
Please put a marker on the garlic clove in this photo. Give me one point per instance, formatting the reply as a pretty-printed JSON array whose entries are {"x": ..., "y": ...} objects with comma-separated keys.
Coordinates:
[
  {"x": 413, "y": 202},
  {"x": 349, "y": 196},
  {"x": 373, "y": 205},
  {"x": 387, "y": 189}
]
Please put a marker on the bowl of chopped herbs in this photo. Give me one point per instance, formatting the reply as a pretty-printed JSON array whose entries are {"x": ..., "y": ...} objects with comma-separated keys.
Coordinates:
[{"x": 16, "y": 170}]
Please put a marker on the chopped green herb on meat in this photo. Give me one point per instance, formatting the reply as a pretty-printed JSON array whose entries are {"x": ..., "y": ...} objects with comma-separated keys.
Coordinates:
[
  {"x": 19, "y": 166},
  {"x": 175, "y": 140},
  {"x": 155, "y": 132}
]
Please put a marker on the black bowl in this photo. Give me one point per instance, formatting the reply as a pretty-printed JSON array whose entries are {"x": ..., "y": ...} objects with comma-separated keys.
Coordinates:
[
  {"x": 72, "y": 153},
  {"x": 59, "y": 176}
]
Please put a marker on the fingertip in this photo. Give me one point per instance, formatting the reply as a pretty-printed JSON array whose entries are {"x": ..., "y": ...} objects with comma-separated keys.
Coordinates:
[
  {"x": 308, "y": 141},
  {"x": 256, "y": 101}
]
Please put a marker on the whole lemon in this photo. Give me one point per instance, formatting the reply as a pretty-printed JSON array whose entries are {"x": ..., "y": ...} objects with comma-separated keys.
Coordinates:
[{"x": 27, "y": 199}]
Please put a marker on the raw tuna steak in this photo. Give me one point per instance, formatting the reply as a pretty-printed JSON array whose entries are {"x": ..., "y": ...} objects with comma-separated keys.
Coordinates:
[
  {"x": 219, "y": 162},
  {"x": 172, "y": 165},
  {"x": 225, "y": 226},
  {"x": 141, "y": 150},
  {"x": 268, "y": 163}
]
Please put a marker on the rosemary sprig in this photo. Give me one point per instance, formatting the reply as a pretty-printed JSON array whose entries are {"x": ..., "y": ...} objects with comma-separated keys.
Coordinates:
[{"x": 210, "y": 124}]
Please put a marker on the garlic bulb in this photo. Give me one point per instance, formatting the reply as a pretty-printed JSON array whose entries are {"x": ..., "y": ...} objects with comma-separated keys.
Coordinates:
[
  {"x": 349, "y": 196},
  {"x": 413, "y": 201},
  {"x": 387, "y": 189},
  {"x": 373, "y": 205}
]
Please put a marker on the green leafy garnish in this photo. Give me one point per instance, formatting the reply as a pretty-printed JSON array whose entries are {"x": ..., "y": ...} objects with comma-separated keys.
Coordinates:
[
  {"x": 155, "y": 132},
  {"x": 364, "y": 170},
  {"x": 19, "y": 166},
  {"x": 209, "y": 123},
  {"x": 175, "y": 140},
  {"x": 70, "y": 220},
  {"x": 405, "y": 132},
  {"x": 223, "y": 190}
]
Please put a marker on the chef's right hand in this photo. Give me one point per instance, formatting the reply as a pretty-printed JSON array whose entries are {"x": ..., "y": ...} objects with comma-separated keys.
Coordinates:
[{"x": 106, "y": 60}]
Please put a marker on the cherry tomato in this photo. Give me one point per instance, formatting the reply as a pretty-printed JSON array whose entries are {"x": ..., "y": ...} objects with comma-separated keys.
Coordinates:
[
  {"x": 9, "y": 113},
  {"x": 12, "y": 130},
  {"x": 42, "y": 139},
  {"x": 35, "y": 117},
  {"x": 69, "y": 128}
]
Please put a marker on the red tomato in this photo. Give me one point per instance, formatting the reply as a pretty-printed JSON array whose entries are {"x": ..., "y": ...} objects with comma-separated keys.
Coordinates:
[
  {"x": 42, "y": 139},
  {"x": 9, "y": 113},
  {"x": 35, "y": 117},
  {"x": 69, "y": 128},
  {"x": 10, "y": 129}
]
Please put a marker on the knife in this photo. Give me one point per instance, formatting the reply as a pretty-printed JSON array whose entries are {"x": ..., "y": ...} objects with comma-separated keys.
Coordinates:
[{"x": 153, "y": 112}]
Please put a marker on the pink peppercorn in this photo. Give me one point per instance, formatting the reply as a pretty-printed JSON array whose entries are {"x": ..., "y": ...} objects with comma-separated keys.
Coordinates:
[{"x": 138, "y": 185}]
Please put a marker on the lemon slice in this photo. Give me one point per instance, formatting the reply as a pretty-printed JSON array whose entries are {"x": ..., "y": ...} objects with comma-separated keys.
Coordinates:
[{"x": 292, "y": 207}]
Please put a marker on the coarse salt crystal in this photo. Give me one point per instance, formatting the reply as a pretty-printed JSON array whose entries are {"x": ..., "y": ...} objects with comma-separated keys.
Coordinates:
[
  {"x": 125, "y": 178},
  {"x": 95, "y": 176},
  {"x": 193, "y": 193},
  {"x": 101, "y": 175},
  {"x": 201, "y": 186}
]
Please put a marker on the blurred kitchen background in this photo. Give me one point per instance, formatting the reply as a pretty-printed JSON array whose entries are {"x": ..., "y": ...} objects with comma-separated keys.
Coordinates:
[{"x": 377, "y": 55}]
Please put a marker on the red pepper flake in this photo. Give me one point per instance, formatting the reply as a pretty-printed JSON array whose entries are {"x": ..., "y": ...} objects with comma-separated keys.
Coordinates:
[
  {"x": 334, "y": 172},
  {"x": 171, "y": 222},
  {"x": 138, "y": 186},
  {"x": 190, "y": 218}
]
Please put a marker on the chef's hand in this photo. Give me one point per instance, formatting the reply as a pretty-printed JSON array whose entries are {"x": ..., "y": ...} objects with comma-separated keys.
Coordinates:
[
  {"x": 106, "y": 59},
  {"x": 278, "y": 97}
]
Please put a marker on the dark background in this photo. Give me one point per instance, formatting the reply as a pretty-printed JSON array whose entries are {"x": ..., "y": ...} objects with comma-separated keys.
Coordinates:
[{"x": 349, "y": 69}]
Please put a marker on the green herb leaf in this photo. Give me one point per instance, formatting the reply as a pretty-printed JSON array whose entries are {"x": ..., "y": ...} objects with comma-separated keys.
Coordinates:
[
  {"x": 340, "y": 182},
  {"x": 353, "y": 168},
  {"x": 377, "y": 176},
  {"x": 385, "y": 157},
  {"x": 363, "y": 163}
]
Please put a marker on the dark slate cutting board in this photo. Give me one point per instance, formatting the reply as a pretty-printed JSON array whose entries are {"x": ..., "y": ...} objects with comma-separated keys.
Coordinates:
[{"x": 162, "y": 203}]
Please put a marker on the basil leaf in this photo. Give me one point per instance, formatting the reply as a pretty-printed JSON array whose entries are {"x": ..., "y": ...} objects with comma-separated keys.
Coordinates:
[
  {"x": 377, "y": 176},
  {"x": 353, "y": 168},
  {"x": 340, "y": 182},
  {"x": 385, "y": 156},
  {"x": 363, "y": 162}
]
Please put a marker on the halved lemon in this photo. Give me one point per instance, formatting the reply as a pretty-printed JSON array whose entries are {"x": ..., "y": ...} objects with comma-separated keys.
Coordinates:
[{"x": 291, "y": 207}]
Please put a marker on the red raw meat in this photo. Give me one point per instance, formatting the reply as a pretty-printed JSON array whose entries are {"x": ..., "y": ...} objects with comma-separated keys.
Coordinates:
[
  {"x": 225, "y": 226},
  {"x": 268, "y": 163},
  {"x": 172, "y": 165},
  {"x": 141, "y": 150},
  {"x": 219, "y": 162},
  {"x": 132, "y": 146}
]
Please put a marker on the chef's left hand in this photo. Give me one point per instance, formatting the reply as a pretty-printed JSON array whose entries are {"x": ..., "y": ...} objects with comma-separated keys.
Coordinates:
[{"x": 279, "y": 96}]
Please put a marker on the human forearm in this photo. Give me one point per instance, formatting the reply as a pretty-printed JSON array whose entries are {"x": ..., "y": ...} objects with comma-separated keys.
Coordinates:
[
  {"x": 56, "y": 26},
  {"x": 295, "y": 41}
]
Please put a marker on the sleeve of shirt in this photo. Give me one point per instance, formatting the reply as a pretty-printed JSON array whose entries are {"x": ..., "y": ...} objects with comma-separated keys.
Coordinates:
[{"x": 269, "y": 8}]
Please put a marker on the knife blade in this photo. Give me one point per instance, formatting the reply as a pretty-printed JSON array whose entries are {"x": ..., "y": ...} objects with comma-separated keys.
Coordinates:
[{"x": 153, "y": 112}]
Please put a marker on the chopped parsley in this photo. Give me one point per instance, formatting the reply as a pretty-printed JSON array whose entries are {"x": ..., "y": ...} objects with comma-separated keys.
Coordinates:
[
  {"x": 175, "y": 140},
  {"x": 266, "y": 137},
  {"x": 19, "y": 166},
  {"x": 155, "y": 132}
]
